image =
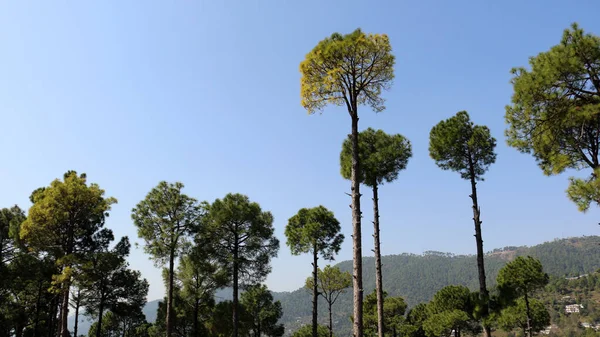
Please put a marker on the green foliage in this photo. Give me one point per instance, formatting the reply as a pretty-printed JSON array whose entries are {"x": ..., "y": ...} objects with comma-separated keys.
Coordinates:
[
  {"x": 306, "y": 331},
  {"x": 241, "y": 238},
  {"x": 515, "y": 316},
  {"x": 263, "y": 312},
  {"x": 452, "y": 297},
  {"x": 221, "y": 324},
  {"x": 199, "y": 276},
  {"x": 65, "y": 216},
  {"x": 164, "y": 219},
  {"x": 584, "y": 192},
  {"x": 443, "y": 323},
  {"x": 451, "y": 309},
  {"x": 522, "y": 276},
  {"x": 114, "y": 325},
  {"x": 415, "y": 318},
  {"x": 457, "y": 144},
  {"x": 554, "y": 113},
  {"x": 348, "y": 70},
  {"x": 382, "y": 156},
  {"x": 107, "y": 283},
  {"x": 393, "y": 314},
  {"x": 314, "y": 230},
  {"x": 10, "y": 225},
  {"x": 65, "y": 222},
  {"x": 234, "y": 225},
  {"x": 331, "y": 282}
]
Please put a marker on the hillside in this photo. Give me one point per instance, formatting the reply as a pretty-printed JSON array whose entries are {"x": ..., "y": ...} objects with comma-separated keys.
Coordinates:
[{"x": 418, "y": 277}]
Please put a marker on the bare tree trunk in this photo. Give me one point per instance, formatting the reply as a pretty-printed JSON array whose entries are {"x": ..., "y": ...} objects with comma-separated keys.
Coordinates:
[
  {"x": 315, "y": 292},
  {"x": 54, "y": 309},
  {"x": 330, "y": 322},
  {"x": 236, "y": 318},
  {"x": 77, "y": 301},
  {"x": 170, "y": 294},
  {"x": 64, "y": 311},
  {"x": 356, "y": 229},
  {"x": 196, "y": 312},
  {"x": 101, "y": 313},
  {"x": 378, "y": 278},
  {"x": 37, "y": 310},
  {"x": 483, "y": 292},
  {"x": 529, "y": 327}
]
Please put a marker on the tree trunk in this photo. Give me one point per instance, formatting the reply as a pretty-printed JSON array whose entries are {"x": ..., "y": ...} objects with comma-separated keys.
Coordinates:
[
  {"x": 196, "y": 312},
  {"x": 315, "y": 292},
  {"x": 330, "y": 322},
  {"x": 64, "y": 310},
  {"x": 77, "y": 312},
  {"x": 529, "y": 327},
  {"x": 378, "y": 277},
  {"x": 52, "y": 315},
  {"x": 483, "y": 292},
  {"x": 37, "y": 310},
  {"x": 236, "y": 318},
  {"x": 170, "y": 294},
  {"x": 100, "y": 312},
  {"x": 356, "y": 230}
]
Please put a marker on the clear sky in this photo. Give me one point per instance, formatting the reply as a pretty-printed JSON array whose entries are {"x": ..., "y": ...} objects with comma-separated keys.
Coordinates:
[{"x": 208, "y": 93}]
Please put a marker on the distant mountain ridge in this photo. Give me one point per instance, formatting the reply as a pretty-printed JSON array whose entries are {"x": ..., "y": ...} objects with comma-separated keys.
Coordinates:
[{"x": 417, "y": 277}]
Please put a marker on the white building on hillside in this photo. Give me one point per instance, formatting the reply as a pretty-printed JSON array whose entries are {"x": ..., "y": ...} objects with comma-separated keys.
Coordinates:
[{"x": 573, "y": 308}]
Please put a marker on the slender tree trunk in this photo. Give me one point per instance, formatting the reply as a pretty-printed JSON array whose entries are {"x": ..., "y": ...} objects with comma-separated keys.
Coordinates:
[
  {"x": 37, "y": 309},
  {"x": 170, "y": 294},
  {"x": 378, "y": 277},
  {"x": 356, "y": 229},
  {"x": 196, "y": 312},
  {"x": 483, "y": 292},
  {"x": 100, "y": 312},
  {"x": 315, "y": 292},
  {"x": 52, "y": 316},
  {"x": 529, "y": 327},
  {"x": 236, "y": 318},
  {"x": 64, "y": 310},
  {"x": 330, "y": 322},
  {"x": 77, "y": 312}
]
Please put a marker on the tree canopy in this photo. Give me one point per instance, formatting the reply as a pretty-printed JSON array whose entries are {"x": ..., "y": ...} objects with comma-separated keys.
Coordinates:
[
  {"x": 555, "y": 111},
  {"x": 347, "y": 70},
  {"x": 515, "y": 316},
  {"x": 164, "y": 220},
  {"x": 459, "y": 145},
  {"x": 522, "y": 276},
  {"x": 241, "y": 238},
  {"x": 264, "y": 312},
  {"x": 382, "y": 156},
  {"x": 314, "y": 230}
]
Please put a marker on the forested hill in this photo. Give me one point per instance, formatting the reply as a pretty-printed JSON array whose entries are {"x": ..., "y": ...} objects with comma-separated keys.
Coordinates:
[{"x": 418, "y": 277}]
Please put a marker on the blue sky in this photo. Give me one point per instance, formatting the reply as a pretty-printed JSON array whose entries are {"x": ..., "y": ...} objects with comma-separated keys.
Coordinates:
[{"x": 208, "y": 93}]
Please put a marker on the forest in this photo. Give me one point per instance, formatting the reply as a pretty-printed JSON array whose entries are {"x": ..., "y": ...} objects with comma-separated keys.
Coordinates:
[{"x": 57, "y": 258}]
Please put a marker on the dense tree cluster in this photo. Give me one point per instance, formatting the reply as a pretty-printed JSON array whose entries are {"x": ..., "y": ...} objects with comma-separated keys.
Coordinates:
[{"x": 58, "y": 257}]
